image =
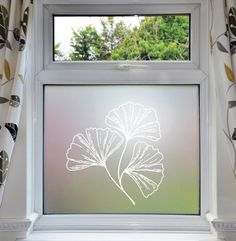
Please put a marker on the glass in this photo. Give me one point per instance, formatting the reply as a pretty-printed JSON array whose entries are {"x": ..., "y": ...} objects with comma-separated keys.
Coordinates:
[
  {"x": 111, "y": 38},
  {"x": 136, "y": 153}
]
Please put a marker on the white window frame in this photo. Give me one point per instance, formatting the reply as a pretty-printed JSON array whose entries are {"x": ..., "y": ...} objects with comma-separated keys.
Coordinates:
[{"x": 194, "y": 71}]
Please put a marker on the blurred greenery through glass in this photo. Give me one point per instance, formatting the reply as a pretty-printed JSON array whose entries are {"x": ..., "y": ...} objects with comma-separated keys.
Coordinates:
[{"x": 153, "y": 38}]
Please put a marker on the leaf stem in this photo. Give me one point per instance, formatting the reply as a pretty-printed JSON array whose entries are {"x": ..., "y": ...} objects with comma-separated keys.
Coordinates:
[
  {"x": 234, "y": 149},
  {"x": 119, "y": 165},
  {"x": 119, "y": 186},
  {"x": 5, "y": 82},
  {"x": 127, "y": 195},
  {"x": 229, "y": 88},
  {"x": 218, "y": 38}
]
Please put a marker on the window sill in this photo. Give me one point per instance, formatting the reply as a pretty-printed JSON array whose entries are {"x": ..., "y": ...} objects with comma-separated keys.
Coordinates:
[
  {"x": 117, "y": 223},
  {"x": 115, "y": 236},
  {"x": 21, "y": 228}
]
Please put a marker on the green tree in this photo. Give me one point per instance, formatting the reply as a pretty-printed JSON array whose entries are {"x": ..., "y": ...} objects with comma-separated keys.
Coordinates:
[
  {"x": 86, "y": 44},
  {"x": 58, "y": 55},
  {"x": 156, "y": 38},
  {"x": 112, "y": 35}
]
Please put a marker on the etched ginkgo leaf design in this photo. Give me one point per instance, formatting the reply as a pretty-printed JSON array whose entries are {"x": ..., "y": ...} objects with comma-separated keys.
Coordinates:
[
  {"x": 129, "y": 121},
  {"x": 145, "y": 161},
  {"x": 92, "y": 149},
  {"x": 134, "y": 121}
]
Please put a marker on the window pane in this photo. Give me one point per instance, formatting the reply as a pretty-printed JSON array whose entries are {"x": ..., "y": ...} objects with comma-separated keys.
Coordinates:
[
  {"x": 93, "y": 38},
  {"x": 121, "y": 149}
]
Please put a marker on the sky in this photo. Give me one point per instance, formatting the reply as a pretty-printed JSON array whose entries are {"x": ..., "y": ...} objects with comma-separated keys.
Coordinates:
[{"x": 63, "y": 27}]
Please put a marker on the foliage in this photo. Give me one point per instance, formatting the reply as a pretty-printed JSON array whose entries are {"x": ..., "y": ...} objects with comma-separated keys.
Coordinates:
[
  {"x": 112, "y": 35},
  {"x": 58, "y": 55},
  {"x": 86, "y": 44},
  {"x": 155, "y": 38}
]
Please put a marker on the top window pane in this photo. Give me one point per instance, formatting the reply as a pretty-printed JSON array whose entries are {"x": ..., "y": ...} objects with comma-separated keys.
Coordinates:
[{"x": 114, "y": 38}]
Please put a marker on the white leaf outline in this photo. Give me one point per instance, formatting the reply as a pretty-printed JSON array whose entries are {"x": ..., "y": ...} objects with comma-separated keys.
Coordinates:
[
  {"x": 99, "y": 158},
  {"x": 129, "y": 119},
  {"x": 95, "y": 150},
  {"x": 143, "y": 161}
]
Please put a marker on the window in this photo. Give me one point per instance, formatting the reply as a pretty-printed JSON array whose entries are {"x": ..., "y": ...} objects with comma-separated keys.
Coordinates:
[
  {"x": 121, "y": 138},
  {"x": 107, "y": 38},
  {"x": 89, "y": 142}
]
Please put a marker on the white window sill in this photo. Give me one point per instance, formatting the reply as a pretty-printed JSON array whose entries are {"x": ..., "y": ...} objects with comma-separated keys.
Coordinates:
[
  {"x": 20, "y": 228},
  {"x": 117, "y": 236}
]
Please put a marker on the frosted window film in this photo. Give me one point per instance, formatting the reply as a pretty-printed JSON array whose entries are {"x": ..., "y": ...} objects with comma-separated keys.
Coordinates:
[{"x": 121, "y": 149}]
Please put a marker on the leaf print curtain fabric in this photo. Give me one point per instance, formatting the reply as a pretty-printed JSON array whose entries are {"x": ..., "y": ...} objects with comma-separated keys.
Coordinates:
[
  {"x": 223, "y": 63},
  {"x": 14, "y": 20}
]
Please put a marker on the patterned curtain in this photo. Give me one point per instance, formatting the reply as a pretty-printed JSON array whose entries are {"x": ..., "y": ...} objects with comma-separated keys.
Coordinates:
[
  {"x": 14, "y": 20},
  {"x": 223, "y": 62}
]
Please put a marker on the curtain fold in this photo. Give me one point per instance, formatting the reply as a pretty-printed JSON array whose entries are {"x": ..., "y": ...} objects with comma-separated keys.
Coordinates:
[
  {"x": 14, "y": 32},
  {"x": 223, "y": 61}
]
